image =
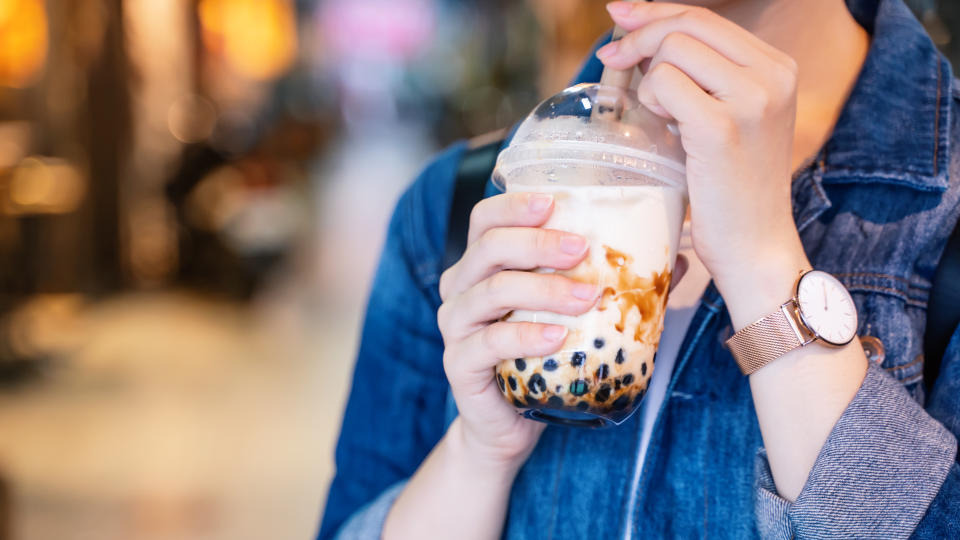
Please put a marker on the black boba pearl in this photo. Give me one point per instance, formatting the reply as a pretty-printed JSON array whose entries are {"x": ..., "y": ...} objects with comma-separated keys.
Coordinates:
[
  {"x": 521, "y": 364},
  {"x": 531, "y": 401},
  {"x": 500, "y": 383},
  {"x": 620, "y": 403},
  {"x": 638, "y": 399},
  {"x": 616, "y": 384},
  {"x": 598, "y": 343},
  {"x": 627, "y": 379},
  {"x": 537, "y": 383},
  {"x": 578, "y": 387},
  {"x": 620, "y": 358},
  {"x": 643, "y": 368},
  {"x": 550, "y": 364},
  {"x": 583, "y": 405},
  {"x": 512, "y": 382},
  {"x": 602, "y": 371},
  {"x": 518, "y": 403},
  {"x": 578, "y": 358},
  {"x": 603, "y": 393},
  {"x": 555, "y": 401},
  {"x": 559, "y": 388}
]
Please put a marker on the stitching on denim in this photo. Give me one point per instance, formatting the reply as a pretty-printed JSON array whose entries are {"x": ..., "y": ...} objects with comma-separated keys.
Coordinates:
[
  {"x": 878, "y": 288},
  {"x": 873, "y": 274},
  {"x": 678, "y": 369},
  {"x": 915, "y": 361},
  {"x": 912, "y": 380},
  {"x": 706, "y": 490},
  {"x": 936, "y": 121},
  {"x": 556, "y": 485}
]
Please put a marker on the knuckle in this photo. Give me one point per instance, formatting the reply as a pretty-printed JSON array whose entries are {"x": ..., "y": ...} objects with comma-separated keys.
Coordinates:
[
  {"x": 444, "y": 284},
  {"x": 443, "y": 317},
  {"x": 476, "y": 215},
  {"x": 496, "y": 283},
  {"x": 725, "y": 129},
  {"x": 674, "y": 42},
  {"x": 490, "y": 337},
  {"x": 786, "y": 77},
  {"x": 487, "y": 241},
  {"x": 554, "y": 287},
  {"x": 542, "y": 240},
  {"x": 694, "y": 15},
  {"x": 659, "y": 74}
]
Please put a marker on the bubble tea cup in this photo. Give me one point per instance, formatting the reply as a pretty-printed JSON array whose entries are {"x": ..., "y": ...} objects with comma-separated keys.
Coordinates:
[{"x": 619, "y": 181}]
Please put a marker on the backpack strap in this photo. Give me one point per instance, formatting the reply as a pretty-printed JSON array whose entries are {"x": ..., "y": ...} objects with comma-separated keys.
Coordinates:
[
  {"x": 474, "y": 171},
  {"x": 943, "y": 309}
]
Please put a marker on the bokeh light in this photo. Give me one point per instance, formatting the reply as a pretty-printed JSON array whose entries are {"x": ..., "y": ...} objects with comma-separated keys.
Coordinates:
[
  {"x": 23, "y": 41},
  {"x": 257, "y": 38}
]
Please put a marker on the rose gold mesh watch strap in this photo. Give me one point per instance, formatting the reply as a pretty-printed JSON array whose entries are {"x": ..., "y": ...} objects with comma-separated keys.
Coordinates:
[{"x": 762, "y": 342}]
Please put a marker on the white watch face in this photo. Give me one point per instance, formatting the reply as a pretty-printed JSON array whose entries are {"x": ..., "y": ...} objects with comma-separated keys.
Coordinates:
[{"x": 827, "y": 308}]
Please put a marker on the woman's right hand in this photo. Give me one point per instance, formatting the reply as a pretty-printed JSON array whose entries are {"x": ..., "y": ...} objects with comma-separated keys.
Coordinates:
[{"x": 489, "y": 281}]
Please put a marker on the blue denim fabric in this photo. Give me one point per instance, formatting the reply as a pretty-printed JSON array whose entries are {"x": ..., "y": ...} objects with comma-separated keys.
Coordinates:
[{"x": 874, "y": 209}]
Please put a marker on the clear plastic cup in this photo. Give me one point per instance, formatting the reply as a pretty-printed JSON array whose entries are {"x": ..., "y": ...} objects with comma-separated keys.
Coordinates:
[{"x": 620, "y": 182}]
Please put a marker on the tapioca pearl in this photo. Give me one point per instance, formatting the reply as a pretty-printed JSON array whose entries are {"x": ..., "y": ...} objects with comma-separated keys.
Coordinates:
[
  {"x": 537, "y": 383},
  {"x": 643, "y": 369},
  {"x": 531, "y": 400},
  {"x": 577, "y": 359},
  {"x": 521, "y": 364},
  {"x": 616, "y": 384},
  {"x": 558, "y": 389},
  {"x": 518, "y": 403},
  {"x": 602, "y": 372},
  {"x": 500, "y": 383},
  {"x": 578, "y": 387},
  {"x": 598, "y": 343},
  {"x": 620, "y": 358},
  {"x": 550, "y": 364},
  {"x": 555, "y": 401},
  {"x": 627, "y": 379},
  {"x": 638, "y": 398},
  {"x": 512, "y": 382},
  {"x": 603, "y": 393},
  {"x": 620, "y": 402},
  {"x": 583, "y": 405}
]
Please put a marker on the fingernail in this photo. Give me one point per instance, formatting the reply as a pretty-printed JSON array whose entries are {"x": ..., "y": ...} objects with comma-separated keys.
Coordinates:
[
  {"x": 539, "y": 202},
  {"x": 554, "y": 333},
  {"x": 608, "y": 50},
  {"x": 619, "y": 8},
  {"x": 572, "y": 244},
  {"x": 585, "y": 291}
]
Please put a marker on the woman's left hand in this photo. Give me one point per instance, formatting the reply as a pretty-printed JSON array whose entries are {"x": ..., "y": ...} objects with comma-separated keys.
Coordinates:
[{"x": 734, "y": 99}]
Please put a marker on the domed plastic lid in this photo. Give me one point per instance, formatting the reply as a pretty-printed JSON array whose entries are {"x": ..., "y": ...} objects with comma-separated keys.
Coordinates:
[{"x": 635, "y": 148}]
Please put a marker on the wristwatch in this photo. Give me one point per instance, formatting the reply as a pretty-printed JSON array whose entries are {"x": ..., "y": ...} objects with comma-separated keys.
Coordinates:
[{"x": 821, "y": 309}]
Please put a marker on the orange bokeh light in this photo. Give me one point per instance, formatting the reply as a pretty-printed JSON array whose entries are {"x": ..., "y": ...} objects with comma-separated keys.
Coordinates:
[
  {"x": 257, "y": 38},
  {"x": 23, "y": 41}
]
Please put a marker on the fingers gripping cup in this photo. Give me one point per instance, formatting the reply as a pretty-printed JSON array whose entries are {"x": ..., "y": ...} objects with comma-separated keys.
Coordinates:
[{"x": 619, "y": 181}]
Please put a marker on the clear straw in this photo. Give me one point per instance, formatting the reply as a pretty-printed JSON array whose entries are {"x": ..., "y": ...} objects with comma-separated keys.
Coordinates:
[{"x": 613, "y": 86}]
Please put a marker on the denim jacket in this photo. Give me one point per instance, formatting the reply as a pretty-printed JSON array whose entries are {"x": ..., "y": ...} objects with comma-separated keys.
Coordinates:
[{"x": 874, "y": 209}]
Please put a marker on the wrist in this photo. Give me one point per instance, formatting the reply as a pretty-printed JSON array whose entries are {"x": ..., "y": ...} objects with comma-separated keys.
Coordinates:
[
  {"x": 754, "y": 288},
  {"x": 468, "y": 455}
]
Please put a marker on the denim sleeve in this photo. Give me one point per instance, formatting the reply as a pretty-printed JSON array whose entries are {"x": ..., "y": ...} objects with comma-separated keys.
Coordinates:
[
  {"x": 395, "y": 412},
  {"x": 887, "y": 470},
  {"x": 367, "y": 523}
]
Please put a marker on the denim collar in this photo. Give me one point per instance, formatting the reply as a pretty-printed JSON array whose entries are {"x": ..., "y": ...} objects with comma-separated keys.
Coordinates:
[{"x": 895, "y": 127}]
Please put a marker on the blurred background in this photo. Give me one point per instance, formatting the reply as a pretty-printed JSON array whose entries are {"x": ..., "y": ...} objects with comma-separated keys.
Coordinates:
[{"x": 193, "y": 195}]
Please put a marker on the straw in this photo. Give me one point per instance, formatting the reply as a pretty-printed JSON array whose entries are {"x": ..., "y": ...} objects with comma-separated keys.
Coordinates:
[{"x": 609, "y": 106}]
